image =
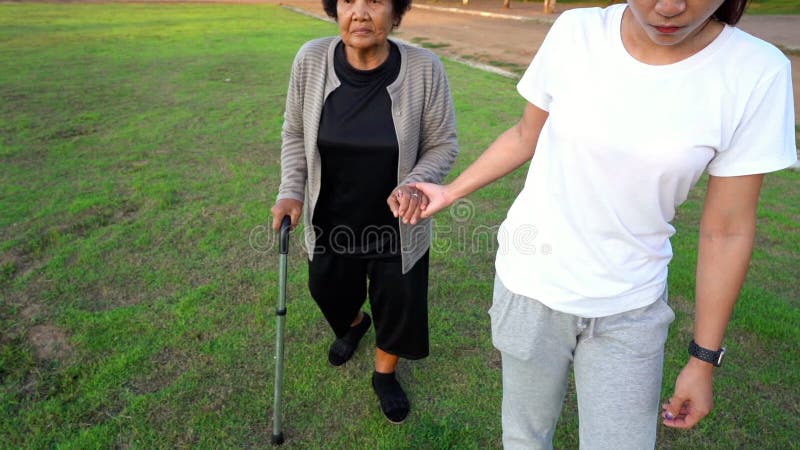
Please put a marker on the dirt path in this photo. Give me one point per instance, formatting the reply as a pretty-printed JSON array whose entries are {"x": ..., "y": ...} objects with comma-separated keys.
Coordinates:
[
  {"x": 454, "y": 31},
  {"x": 497, "y": 42}
]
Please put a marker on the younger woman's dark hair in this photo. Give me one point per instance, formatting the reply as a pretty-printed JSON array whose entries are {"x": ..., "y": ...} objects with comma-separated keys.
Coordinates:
[
  {"x": 730, "y": 11},
  {"x": 399, "y": 8}
]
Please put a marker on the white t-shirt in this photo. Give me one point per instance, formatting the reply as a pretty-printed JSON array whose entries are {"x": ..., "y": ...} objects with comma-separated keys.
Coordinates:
[{"x": 623, "y": 145}]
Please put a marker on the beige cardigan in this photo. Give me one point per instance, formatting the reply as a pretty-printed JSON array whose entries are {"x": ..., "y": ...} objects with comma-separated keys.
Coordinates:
[{"x": 424, "y": 121}]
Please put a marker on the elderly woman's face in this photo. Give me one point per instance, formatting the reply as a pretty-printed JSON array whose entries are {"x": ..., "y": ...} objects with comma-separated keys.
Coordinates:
[{"x": 364, "y": 24}]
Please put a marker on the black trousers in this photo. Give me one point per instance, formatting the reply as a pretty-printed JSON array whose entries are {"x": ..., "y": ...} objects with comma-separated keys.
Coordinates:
[{"x": 399, "y": 302}]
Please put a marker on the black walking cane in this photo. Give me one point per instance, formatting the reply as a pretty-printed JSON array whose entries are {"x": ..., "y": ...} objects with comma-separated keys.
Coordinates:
[{"x": 280, "y": 319}]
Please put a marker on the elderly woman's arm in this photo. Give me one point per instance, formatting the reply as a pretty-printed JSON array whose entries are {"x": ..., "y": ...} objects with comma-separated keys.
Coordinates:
[
  {"x": 438, "y": 148},
  {"x": 293, "y": 157},
  {"x": 727, "y": 233},
  {"x": 438, "y": 144}
]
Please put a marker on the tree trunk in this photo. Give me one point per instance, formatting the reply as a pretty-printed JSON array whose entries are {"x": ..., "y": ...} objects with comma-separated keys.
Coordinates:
[{"x": 506, "y": 3}]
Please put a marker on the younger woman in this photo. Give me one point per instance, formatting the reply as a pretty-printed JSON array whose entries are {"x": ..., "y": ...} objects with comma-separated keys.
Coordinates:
[{"x": 628, "y": 106}]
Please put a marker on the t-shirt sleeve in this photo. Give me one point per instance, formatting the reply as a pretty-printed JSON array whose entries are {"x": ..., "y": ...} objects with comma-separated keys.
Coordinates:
[
  {"x": 533, "y": 86},
  {"x": 764, "y": 139}
]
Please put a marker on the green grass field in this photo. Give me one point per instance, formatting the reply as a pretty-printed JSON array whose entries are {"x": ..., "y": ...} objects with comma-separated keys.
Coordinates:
[
  {"x": 139, "y": 158},
  {"x": 773, "y": 7}
]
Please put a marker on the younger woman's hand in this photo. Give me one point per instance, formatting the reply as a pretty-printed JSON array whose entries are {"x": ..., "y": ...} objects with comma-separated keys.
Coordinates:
[
  {"x": 438, "y": 198},
  {"x": 692, "y": 399}
]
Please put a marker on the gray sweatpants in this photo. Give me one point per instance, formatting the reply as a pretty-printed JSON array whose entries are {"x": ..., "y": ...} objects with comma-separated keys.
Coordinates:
[{"x": 618, "y": 362}]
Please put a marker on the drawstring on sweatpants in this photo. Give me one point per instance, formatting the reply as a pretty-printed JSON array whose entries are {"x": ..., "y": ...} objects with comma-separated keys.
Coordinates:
[
  {"x": 592, "y": 321},
  {"x": 586, "y": 327}
]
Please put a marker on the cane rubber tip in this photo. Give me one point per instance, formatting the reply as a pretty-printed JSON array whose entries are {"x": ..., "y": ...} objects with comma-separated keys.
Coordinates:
[{"x": 277, "y": 439}]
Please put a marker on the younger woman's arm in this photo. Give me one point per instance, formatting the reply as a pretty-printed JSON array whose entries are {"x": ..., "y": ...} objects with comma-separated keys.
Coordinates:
[
  {"x": 727, "y": 233},
  {"x": 510, "y": 150}
]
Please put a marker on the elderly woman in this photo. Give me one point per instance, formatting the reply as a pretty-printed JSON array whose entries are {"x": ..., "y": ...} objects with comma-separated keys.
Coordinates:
[{"x": 366, "y": 116}]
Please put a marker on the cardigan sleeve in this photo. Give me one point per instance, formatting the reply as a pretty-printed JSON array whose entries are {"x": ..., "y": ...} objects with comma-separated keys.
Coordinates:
[
  {"x": 438, "y": 143},
  {"x": 294, "y": 171}
]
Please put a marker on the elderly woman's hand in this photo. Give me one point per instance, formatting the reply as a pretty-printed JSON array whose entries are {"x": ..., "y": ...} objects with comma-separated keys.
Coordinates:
[
  {"x": 286, "y": 207},
  {"x": 406, "y": 202}
]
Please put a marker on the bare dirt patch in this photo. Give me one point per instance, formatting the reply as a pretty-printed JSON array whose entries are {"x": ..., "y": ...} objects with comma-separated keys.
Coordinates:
[
  {"x": 49, "y": 343},
  {"x": 31, "y": 311}
]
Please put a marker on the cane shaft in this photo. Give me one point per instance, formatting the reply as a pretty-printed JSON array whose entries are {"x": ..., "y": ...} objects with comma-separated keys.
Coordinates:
[{"x": 280, "y": 319}]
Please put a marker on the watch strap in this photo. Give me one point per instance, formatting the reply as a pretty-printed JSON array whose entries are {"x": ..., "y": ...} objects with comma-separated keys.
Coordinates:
[{"x": 704, "y": 354}]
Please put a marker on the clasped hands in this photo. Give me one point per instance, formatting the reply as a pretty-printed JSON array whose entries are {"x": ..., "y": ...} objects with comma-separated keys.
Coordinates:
[
  {"x": 415, "y": 201},
  {"x": 407, "y": 203}
]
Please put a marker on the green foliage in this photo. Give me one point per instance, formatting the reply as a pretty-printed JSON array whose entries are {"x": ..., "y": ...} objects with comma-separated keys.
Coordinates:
[
  {"x": 139, "y": 153},
  {"x": 773, "y": 7}
]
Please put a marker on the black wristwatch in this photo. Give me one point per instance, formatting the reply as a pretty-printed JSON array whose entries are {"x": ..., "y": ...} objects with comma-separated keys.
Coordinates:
[{"x": 704, "y": 354}]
